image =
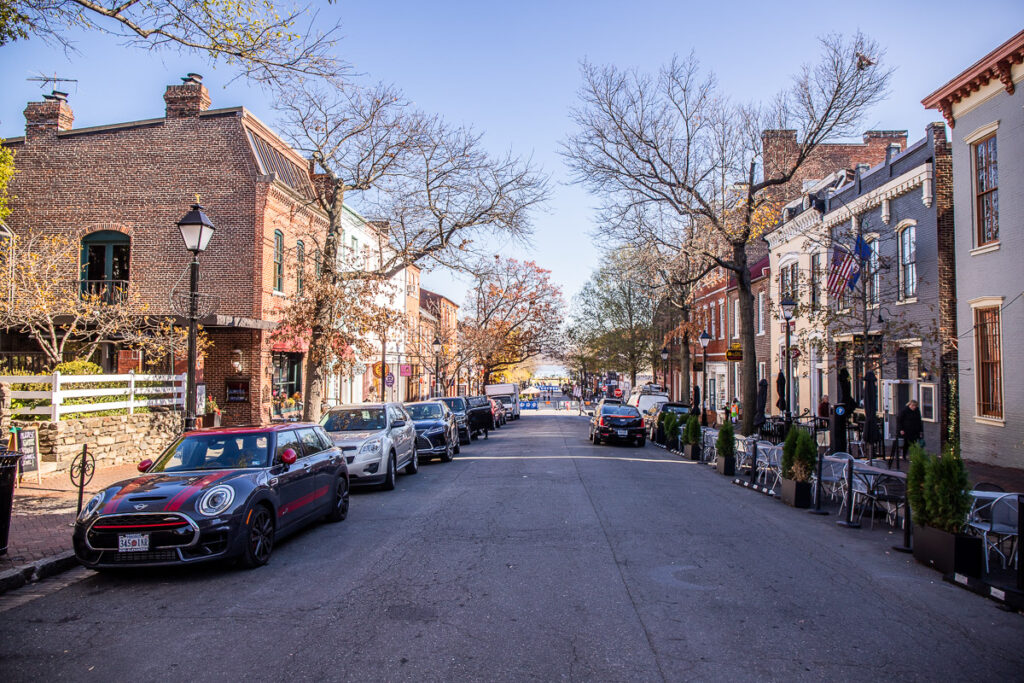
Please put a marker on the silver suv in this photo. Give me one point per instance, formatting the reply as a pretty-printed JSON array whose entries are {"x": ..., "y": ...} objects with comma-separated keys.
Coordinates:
[{"x": 377, "y": 439}]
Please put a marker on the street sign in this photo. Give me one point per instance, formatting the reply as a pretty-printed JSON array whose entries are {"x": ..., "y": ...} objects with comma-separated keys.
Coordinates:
[
  {"x": 734, "y": 354},
  {"x": 390, "y": 379}
]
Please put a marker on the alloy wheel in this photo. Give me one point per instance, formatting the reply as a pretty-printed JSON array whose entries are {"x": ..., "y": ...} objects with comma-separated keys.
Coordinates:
[{"x": 261, "y": 535}]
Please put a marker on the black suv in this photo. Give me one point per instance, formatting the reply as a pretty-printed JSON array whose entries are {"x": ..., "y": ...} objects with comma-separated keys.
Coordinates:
[
  {"x": 458, "y": 405},
  {"x": 616, "y": 422}
]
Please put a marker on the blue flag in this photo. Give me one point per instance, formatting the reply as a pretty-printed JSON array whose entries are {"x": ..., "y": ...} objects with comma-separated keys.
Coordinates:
[{"x": 862, "y": 249}]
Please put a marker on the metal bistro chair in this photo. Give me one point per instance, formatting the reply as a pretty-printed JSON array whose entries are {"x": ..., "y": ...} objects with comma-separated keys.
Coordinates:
[
  {"x": 833, "y": 477},
  {"x": 772, "y": 467},
  {"x": 996, "y": 522},
  {"x": 743, "y": 452},
  {"x": 709, "y": 452}
]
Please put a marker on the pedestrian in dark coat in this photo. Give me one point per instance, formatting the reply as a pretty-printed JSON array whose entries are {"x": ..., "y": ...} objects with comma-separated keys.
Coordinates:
[{"x": 910, "y": 426}]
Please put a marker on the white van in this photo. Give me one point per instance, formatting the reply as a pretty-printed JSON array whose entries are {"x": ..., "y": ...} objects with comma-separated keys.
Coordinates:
[{"x": 643, "y": 400}]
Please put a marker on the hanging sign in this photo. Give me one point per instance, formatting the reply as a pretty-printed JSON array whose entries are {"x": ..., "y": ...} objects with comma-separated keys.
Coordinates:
[
  {"x": 380, "y": 369},
  {"x": 390, "y": 379},
  {"x": 734, "y": 354},
  {"x": 405, "y": 370}
]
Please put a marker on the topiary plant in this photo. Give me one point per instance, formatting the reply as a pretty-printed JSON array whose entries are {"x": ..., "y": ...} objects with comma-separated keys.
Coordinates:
[
  {"x": 915, "y": 484},
  {"x": 671, "y": 427},
  {"x": 945, "y": 491},
  {"x": 726, "y": 443},
  {"x": 805, "y": 457},
  {"x": 789, "y": 452},
  {"x": 692, "y": 433}
]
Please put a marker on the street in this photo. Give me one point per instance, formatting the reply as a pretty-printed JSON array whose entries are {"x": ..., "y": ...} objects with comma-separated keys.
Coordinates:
[{"x": 534, "y": 555}]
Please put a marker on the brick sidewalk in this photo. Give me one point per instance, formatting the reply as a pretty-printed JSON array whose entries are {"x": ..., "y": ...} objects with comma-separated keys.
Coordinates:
[{"x": 44, "y": 513}]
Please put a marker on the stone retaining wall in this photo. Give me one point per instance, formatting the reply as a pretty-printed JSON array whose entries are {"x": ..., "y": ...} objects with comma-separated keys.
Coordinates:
[{"x": 112, "y": 440}]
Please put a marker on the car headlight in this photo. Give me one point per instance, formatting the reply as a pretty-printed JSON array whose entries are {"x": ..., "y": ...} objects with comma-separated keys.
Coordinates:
[
  {"x": 91, "y": 507},
  {"x": 216, "y": 500},
  {"x": 370, "y": 448}
]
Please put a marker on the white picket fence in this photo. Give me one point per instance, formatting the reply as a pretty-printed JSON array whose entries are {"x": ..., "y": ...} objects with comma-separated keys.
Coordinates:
[{"x": 161, "y": 390}]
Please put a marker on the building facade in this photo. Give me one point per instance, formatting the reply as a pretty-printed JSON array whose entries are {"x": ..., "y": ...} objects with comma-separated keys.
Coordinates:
[{"x": 985, "y": 107}]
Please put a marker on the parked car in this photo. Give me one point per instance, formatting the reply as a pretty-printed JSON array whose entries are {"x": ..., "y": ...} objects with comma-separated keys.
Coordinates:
[
  {"x": 216, "y": 494},
  {"x": 648, "y": 396},
  {"x": 458, "y": 406},
  {"x": 616, "y": 422},
  {"x": 508, "y": 393},
  {"x": 437, "y": 433},
  {"x": 653, "y": 418},
  {"x": 510, "y": 404},
  {"x": 498, "y": 412},
  {"x": 479, "y": 416},
  {"x": 377, "y": 440}
]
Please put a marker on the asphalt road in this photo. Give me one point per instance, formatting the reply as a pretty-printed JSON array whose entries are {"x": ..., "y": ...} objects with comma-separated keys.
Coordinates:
[{"x": 533, "y": 556}]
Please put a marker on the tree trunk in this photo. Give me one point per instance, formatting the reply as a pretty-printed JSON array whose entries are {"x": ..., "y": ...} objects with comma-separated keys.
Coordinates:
[
  {"x": 749, "y": 368},
  {"x": 383, "y": 364},
  {"x": 684, "y": 369}
]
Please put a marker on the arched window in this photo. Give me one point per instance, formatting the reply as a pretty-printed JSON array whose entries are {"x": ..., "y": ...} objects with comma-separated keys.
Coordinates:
[
  {"x": 300, "y": 266},
  {"x": 105, "y": 263},
  {"x": 908, "y": 260},
  {"x": 278, "y": 261}
]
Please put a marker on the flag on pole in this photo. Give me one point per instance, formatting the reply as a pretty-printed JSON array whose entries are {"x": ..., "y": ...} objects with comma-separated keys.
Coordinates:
[
  {"x": 843, "y": 265},
  {"x": 863, "y": 249}
]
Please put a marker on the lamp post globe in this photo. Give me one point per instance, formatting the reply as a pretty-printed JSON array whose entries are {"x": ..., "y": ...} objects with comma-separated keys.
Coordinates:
[
  {"x": 196, "y": 229},
  {"x": 788, "y": 307}
]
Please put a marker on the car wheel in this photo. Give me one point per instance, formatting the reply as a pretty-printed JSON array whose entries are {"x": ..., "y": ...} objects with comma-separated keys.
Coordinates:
[
  {"x": 414, "y": 463},
  {"x": 448, "y": 450},
  {"x": 389, "y": 477},
  {"x": 259, "y": 542},
  {"x": 339, "y": 510}
]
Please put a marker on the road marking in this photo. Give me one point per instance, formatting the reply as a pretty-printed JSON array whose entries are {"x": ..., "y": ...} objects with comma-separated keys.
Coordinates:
[
  {"x": 574, "y": 457},
  {"x": 41, "y": 589}
]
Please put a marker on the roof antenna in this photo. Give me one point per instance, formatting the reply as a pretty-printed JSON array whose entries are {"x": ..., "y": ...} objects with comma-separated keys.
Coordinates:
[{"x": 43, "y": 79}]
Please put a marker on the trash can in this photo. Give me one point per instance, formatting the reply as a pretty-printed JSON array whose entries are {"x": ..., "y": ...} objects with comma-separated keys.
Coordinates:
[{"x": 8, "y": 472}]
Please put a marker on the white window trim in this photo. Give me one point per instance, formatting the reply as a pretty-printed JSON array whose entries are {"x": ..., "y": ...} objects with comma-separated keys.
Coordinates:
[
  {"x": 981, "y": 132},
  {"x": 760, "y": 314},
  {"x": 988, "y": 129},
  {"x": 989, "y": 302},
  {"x": 935, "y": 401},
  {"x": 901, "y": 227},
  {"x": 991, "y": 246}
]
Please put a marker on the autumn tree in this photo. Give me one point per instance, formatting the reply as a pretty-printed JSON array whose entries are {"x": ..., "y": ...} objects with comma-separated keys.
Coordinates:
[
  {"x": 513, "y": 313},
  {"x": 676, "y": 141},
  {"x": 261, "y": 39},
  {"x": 435, "y": 191}
]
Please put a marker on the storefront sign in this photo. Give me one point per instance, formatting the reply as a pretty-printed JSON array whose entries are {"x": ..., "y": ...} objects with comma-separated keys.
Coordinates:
[
  {"x": 390, "y": 379},
  {"x": 237, "y": 390},
  {"x": 734, "y": 354},
  {"x": 378, "y": 372},
  {"x": 28, "y": 443},
  {"x": 405, "y": 370}
]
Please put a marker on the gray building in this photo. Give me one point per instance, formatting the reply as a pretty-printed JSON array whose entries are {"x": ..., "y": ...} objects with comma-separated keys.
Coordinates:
[{"x": 983, "y": 105}]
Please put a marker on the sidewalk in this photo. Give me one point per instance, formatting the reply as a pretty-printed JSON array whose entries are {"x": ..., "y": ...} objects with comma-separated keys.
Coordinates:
[{"x": 44, "y": 514}]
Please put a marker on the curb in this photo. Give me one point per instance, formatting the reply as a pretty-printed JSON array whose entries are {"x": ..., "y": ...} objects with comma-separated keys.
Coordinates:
[{"x": 12, "y": 579}]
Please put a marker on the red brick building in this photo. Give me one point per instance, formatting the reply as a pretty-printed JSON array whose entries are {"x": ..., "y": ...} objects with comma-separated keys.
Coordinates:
[{"x": 125, "y": 185}]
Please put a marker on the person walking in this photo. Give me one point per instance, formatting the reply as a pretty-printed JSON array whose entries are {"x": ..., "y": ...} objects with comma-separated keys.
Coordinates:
[
  {"x": 910, "y": 426},
  {"x": 823, "y": 407}
]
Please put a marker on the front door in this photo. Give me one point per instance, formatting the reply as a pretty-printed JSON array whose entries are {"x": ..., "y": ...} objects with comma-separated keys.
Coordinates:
[
  {"x": 294, "y": 482},
  {"x": 318, "y": 457}
]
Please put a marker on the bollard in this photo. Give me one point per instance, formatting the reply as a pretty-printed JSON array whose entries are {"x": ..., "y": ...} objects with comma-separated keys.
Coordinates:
[
  {"x": 848, "y": 522},
  {"x": 753, "y": 463},
  {"x": 906, "y": 547},
  {"x": 817, "y": 492}
]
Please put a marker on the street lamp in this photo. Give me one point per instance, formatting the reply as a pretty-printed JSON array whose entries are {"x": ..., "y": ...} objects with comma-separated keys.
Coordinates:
[
  {"x": 788, "y": 307},
  {"x": 664, "y": 365},
  {"x": 705, "y": 339},
  {"x": 196, "y": 231},
  {"x": 437, "y": 366}
]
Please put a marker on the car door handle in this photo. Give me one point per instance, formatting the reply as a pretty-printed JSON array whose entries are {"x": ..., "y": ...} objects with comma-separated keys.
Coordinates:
[{"x": 306, "y": 465}]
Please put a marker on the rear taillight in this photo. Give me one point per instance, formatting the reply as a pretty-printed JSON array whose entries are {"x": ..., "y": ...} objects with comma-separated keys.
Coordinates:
[{"x": 601, "y": 422}]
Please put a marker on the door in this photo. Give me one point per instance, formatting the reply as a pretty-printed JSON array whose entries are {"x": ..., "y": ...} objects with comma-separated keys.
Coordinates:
[
  {"x": 318, "y": 461},
  {"x": 294, "y": 482},
  {"x": 400, "y": 435}
]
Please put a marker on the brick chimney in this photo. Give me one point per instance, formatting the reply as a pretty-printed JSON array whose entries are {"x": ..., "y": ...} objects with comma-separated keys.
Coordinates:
[
  {"x": 49, "y": 116},
  {"x": 188, "y": 99}
]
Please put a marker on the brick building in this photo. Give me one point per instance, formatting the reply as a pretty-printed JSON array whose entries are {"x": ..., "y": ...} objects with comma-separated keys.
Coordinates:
[
  {"x": 121, "y": 188},
  {"x": 439, "y": 320}
]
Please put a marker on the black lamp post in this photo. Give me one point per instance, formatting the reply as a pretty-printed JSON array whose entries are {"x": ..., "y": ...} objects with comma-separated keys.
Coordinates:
[
  {"x": 664, "y": 366},
  {"x": 196, "y": 230},
  {"x": 788, "y": 307},
  {"x": 437, "y": 367},
  {"x": 705, "y": 339}
]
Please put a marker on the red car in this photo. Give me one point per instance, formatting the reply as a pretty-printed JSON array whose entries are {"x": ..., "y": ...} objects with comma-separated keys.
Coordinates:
[{"x": 498, "y": 412}]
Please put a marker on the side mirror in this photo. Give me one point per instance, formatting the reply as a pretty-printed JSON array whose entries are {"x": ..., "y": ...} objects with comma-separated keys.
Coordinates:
[
  {"x": 145, "y": 465},
  {"x": 289, "y": 456},
  {"x": 397, "y": 423}
]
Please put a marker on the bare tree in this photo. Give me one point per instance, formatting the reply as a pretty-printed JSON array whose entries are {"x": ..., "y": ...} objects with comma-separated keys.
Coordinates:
[
  {"x": 676, "y": 141},
  {"x": 261, "y": 39}
]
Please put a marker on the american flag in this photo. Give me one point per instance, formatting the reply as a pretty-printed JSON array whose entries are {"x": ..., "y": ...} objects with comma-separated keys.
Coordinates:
[{"x": 844, "y": 264}]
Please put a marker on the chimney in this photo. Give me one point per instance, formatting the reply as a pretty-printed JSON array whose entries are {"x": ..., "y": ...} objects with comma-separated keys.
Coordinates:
[
  {"x": 188, "y": 99},
  {"x": 892, "y": 150},
  {"x": 49, "y": 116}
]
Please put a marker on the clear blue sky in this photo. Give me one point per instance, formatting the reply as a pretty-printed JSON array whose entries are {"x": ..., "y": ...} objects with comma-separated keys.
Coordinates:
[{"x": 512, "y": 70}]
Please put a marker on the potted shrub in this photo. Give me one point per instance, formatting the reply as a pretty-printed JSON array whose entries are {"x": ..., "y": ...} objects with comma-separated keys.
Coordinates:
[
  {"x": 671, "y": 425},
  {"x": 726, "y": 447},
  {"x": 691, "y": 437},
  {"x": 211, "y": 418},
  {"x": 799, "y": 456},
  {"x": 659, "y": 431},
  {"x": 939, "y": 504}
]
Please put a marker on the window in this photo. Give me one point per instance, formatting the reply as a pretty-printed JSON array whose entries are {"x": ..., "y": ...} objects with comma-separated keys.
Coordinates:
[
  {"x": 355, "y": 245},
  {"x": 789, "y": 280},
  {"x": 721, "y": 320},
  {"x": 986, "y": 191},
  {"x": 300, "y": 266},
  {"x": 712, "y": 321},
  {"x": 104, "y": 264},
  {"x": 928, "y": 402},
  {"x": 310, "y": 441},
  {"x": 762, "y": 371},
  {"x": 816, "y": 277},
  {"x": 908, "y": 262},
  {"x": 278, "y": 261},
  {"x": 286, "y": 440},
  {"x": 874, "y": 275},
  {"x": 988, "y": 362},
  {"x": 760, "y": 312},
  {"x": 735, "y": 318}
]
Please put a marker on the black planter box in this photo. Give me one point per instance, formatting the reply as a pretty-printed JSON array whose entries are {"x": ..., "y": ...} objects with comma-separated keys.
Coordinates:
[
  {"x": 796, "y": 494},
  {"x": 210, "y": 420},
  {"x": 949, "y": 553},
  {"x": 726, "y": 465},
  {"x": 692, "y": 451}
]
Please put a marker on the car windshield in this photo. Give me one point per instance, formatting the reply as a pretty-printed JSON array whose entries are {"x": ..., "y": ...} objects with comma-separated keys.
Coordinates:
[
  {"x": 621, "y": 411},
  {"x": 424, "y": 411},
  {"x": 507, "y": 400},
  {"x": 214, "y": 452},
  {"x": 456, "y": 404},
  {"x": 677, "y": 409},
  {"x": 354, "y": 420}
]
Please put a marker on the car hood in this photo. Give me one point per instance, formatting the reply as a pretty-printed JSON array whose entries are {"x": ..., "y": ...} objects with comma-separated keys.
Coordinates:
[
  {"x": 422, "y": 425},
  {"x": 170, "y": 491},
  {"x": 352, "y": 438}
]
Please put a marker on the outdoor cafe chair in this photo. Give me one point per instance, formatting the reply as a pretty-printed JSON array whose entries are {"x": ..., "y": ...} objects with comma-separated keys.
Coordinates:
[
  {"x": 833, "y": 476},
  {"x": 709, "y": 451},
  {"x": 773, "y": 467},
  {"x": 995, "y": 520}
]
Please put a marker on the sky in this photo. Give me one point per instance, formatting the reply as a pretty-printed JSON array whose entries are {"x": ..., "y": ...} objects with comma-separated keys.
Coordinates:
[{"x": 511, "y": 71}]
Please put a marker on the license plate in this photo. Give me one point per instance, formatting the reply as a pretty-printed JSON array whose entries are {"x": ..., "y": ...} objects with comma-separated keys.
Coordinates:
[
  {"x": 621, "y": 432},
  {"x": 132, "y": 543}
]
